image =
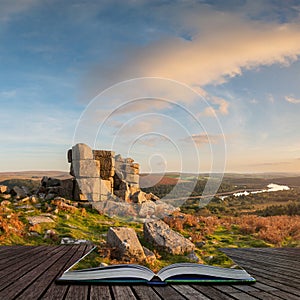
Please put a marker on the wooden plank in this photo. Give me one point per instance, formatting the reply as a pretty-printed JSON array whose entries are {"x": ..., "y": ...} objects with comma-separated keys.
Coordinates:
[
  {"x": 265, "y": 296},
  {"x": 189, "y": 292},
  {"x": 167, "y": 292},
  {"x": 264, "y": 287},
  {"x": 17, "y": 256},
  {"x": 284, "y": 295},
  {"x": 212, "y": 293},
  {"x": 77, "y": 292},
  {"x": 144, "y": 292},
  {"x": 9, "y": 252},
  {"x": 38, "y": 287},
  {"x": 280, "y": 276},
  {"x": 100, "y": 292},
  {"x": 24, "y": 266},
  {"x": 122, "y": 292},
  {"x": 57, "y": 291},
  {"x": 280, "y": 285},
  {"x": 242, "y": 296},
  {"x": 286, "y": 262},
  {"x": 19, "y": 285},
  {"x": 12, "y": 251}
]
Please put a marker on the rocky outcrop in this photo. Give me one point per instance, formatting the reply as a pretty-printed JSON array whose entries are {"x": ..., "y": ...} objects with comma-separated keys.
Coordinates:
[
  {"x": 125, "y": 244},
  {"x": 159, "y": 234},
  {"x": 52, "y": 187},
  {"x": 102, "y": 176}
]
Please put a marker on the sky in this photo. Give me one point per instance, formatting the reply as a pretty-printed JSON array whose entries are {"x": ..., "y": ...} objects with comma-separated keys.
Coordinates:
[{"x": 192, "y": 86}]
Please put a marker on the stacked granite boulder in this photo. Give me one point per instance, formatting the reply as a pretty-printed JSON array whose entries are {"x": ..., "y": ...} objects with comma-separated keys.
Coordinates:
[
  {"x": 100, "y": 175},
  {"x": 106, "y": 161},
  {"x": 86, "y": 170}
]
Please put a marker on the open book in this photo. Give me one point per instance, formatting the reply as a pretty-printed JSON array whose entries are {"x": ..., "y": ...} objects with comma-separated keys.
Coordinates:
[{"x": 175, "y": 273}]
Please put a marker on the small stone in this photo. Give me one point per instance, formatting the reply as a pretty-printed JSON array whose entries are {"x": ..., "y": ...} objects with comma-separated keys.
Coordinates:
[
  {"x": 5, "y": 196},
  {"x": 33, "y": 199},
  {"x": 193, "y": 257},
  {"x": 3, "y": 189},
  {"x": 50, "y": 197},
  {"x": 33, "y": 220},
  {"x": 102, "y": 265},
  {"x": 5, "y": 203},
  {"x": 51, "y": 234}
]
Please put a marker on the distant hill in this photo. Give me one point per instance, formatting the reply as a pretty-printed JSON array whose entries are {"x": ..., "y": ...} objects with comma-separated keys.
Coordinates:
[{"x": 33, "y": 175}]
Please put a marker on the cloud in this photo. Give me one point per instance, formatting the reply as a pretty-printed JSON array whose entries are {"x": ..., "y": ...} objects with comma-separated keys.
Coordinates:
[
  {"x": 292, "y": 100},
  {"x": 202, "y": 139},
  {"x": 152, "y": 141},
  {"x": 221, "y": 46}
]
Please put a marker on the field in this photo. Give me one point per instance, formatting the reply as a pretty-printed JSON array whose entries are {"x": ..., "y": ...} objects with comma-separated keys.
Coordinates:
[{"x": 258, "y": 220}]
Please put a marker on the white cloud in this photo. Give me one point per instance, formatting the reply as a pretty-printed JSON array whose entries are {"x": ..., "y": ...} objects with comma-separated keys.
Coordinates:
[
  {"x": 291, "y": 99},
  {"x": 222, "y": 45}
]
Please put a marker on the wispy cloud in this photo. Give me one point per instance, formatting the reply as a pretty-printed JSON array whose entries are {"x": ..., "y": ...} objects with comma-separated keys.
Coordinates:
[
  {"x": 291, "y": 99},
  {"x": 202, "y": 139}
]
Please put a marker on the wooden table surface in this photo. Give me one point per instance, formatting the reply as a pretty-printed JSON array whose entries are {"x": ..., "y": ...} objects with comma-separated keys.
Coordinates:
[{"x": 29, "y": 272}]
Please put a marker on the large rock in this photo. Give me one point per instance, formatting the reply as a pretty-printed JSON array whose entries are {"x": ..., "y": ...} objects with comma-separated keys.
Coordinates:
[
  {"x": 125, "y": 244},
  {"x": 81, "y": 152},
  {"x": 86, "y": 168},
  {"x": 163, "y": 237},
  {"x": 20, "y": 193}
]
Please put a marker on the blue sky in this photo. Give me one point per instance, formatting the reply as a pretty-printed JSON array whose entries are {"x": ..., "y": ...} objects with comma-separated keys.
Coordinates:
[{"x": 241, "y": 57}]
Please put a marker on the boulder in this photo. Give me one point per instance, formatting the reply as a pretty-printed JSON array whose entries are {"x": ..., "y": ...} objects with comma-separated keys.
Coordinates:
[
  {"x": 18, "y": 192},
  {"x": 82, "y": 152},
  {"x": 125, "y": 244},
  {"x": 147, "y": 209},
  {"x": 103, "y": 153},
  {"x": 163, "y": 237},
  {"x": 139, "y": 197},
  {"x": 86, "y": 168},
  {"x": 114, "y": 208}
]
